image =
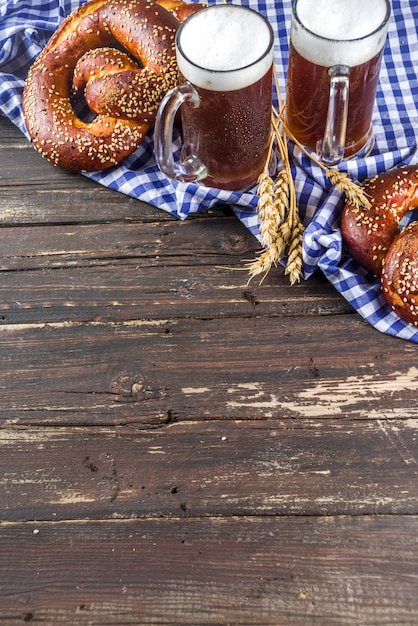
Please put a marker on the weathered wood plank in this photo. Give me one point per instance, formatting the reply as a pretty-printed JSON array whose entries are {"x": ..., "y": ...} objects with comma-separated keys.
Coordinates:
[
  {"x": 190, "y": 449},
  {"x": 133, "y": 289},
  {"x": 114, "y": 268},
  {"x": 77, "y": 200},
  {"x": 252, "y": 368},
  {"x": 302, "y": 467},
  {"x": 177, "y": 243},
  {"x": 279, "y": 571}
]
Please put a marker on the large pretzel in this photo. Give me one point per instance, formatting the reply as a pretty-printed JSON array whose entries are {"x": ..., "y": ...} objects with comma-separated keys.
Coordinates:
[
  {"x": 123, "y": 88},
  {"x": 374, "y": 237}
]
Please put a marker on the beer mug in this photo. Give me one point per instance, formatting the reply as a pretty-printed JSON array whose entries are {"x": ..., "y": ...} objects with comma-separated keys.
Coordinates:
[
  {"x": 225, "y": 59},
  {"x": 336, "y": 48}
]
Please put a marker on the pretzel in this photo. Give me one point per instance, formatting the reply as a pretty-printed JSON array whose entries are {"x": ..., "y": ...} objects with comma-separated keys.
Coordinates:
[
  {"x": 180, "y": 9},
  {"x": 123, "y": 88},
  {"x": 400, "y": 275},
  {"x": 373, "y": 237}
]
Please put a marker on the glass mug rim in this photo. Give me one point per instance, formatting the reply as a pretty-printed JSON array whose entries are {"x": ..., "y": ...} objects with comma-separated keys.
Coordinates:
[
  {"x": 381, "y": 26},
  {"x": 221, "y": 7}
]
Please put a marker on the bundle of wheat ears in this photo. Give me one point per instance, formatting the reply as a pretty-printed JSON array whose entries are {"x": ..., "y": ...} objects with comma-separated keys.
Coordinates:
[{"x": 281, "y": 228}]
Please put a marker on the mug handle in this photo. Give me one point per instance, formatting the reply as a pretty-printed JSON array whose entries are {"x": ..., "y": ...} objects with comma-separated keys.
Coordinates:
[
  {"x": 331, "y": 147},
  {"x": 190, "y": 169}
]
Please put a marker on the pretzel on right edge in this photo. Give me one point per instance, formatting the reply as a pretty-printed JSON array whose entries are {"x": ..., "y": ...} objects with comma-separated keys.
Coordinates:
[{"x": 373, "y": 237}]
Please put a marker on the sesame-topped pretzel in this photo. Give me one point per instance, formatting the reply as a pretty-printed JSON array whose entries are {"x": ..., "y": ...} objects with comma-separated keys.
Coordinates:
[
  {"x": 119, "y": 55},
  {"x": 374, "y": 239}
]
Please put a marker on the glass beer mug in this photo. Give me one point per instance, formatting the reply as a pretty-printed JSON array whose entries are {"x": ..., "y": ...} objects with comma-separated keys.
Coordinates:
[
  {"x": 225, "y": 60},
  {"x": 336, "y": 48}
]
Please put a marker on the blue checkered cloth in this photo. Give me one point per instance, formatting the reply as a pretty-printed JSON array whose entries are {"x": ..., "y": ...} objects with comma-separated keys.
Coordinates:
[{"x": 25, "y": 27}]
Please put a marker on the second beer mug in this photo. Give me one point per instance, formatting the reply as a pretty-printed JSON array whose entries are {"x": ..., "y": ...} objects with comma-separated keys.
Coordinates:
[
  {"x": 225, "y": 59},
  {"x": 336, "y": 48}
]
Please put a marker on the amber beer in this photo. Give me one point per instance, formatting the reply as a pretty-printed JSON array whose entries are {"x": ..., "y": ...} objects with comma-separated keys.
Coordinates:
[
  {"x": 348, "y": 37},
  {"x": 229, "y": 132},
  {"x": 225, "y": 58}
]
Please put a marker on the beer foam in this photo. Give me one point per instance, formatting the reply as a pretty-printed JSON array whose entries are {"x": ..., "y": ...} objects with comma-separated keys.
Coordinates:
[
  {"x": 351, "y": 30},
  {"x": 224, "y": 47}
]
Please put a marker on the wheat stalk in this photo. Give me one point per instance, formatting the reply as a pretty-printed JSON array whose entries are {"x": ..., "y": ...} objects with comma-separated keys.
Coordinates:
[
  {"x": 281, "y": 229},
  {"x": 280, "y": 226},
  {"x": 341, "y": 180},
  {"x": 267, "y": 214},
  {"x": 353, "y": 192},
  {"x": 294, "y": 262}
]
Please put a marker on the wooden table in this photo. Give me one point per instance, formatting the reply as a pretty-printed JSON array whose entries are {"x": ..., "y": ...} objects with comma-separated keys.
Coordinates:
[{"x": 179, "y": 446}]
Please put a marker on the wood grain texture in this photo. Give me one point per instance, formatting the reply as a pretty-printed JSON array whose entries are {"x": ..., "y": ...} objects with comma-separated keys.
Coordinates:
[
  {"x": 178, "y": 446},
  {"x": 142, "y": 371},
  {"x": 210, "y": 468},
  {"x": 134, "y": 289},
  {"x": 278, "y": 571}
]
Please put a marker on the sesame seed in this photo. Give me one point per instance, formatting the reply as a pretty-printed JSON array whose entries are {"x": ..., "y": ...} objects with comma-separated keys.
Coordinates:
[{"x": 126, "y": 110}]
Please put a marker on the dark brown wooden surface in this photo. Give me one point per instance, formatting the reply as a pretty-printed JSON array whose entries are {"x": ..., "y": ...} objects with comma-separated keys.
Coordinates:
[{"x": 179, "y": 446}]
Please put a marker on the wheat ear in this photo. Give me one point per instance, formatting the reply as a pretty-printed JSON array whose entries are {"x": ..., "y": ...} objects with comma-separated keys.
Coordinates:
[
  {"x": 341, "y": 180},
  {"x": 280, "y": 226}
]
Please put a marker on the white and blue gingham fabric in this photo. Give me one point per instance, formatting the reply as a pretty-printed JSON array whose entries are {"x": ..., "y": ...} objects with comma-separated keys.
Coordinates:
[{"x": 25, "y": 27}]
